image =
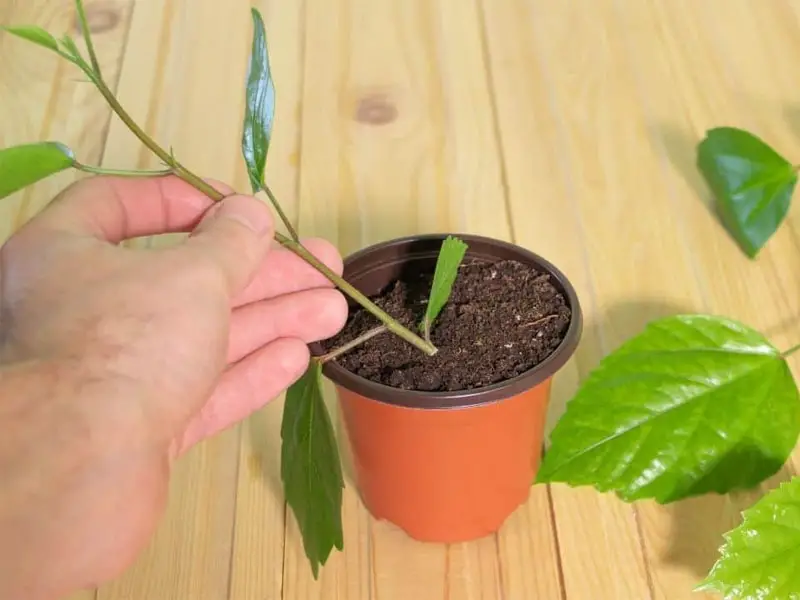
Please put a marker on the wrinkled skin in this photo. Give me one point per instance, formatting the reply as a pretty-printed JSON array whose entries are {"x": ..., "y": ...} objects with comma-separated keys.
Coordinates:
[{"x": 114, "y": 361}]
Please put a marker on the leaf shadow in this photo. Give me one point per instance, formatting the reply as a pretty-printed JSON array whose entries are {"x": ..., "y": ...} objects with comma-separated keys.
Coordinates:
[
  {"x": 695, "y": 525},
  {"x": 791, "y": 114},
  {"x": 264, "y": 458},
  {"x": 680, "y": 147},
  {"x": 620, "y": 321},
  {"x": 698, "y": 524}
]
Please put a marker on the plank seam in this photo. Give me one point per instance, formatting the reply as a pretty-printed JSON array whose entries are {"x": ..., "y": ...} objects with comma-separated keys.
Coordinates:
[
  {"x": 237, "y": 469},
  {"x": 556, "y": 542},
  {"x": 115, "y": 84},
  {"x": 487, "y": 65}
]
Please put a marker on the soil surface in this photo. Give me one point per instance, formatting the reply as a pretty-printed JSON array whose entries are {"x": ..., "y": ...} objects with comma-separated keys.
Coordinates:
[{"x": 502, "y": 319}]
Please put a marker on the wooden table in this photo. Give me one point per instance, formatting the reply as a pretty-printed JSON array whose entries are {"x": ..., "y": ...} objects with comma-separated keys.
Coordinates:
[{"x": 567, "y": 126}]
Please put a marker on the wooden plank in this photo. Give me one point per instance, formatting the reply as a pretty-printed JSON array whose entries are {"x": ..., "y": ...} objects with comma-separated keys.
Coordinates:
[
  {"x": 257, "y": 561},
  {"x": 397, "y": 138},
  {"x": 183, "y": 80},
  {"x": 694, "y": 74},
  {"x": 45, "y": 98},
  {"x": 599, "y": 132}
]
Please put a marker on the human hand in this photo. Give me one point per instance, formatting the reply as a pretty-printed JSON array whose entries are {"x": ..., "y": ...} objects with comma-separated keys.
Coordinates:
[{"x": 114, "y": 361}]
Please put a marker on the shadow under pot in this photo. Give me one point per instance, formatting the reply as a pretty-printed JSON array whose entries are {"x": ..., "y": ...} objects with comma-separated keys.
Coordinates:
[{"x": 451, "y": 465}]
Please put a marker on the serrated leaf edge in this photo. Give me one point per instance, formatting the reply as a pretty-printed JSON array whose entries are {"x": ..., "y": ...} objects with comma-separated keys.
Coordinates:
[
  {"x": 314, "y": 373},
  {"x": 608, "y": 362},
  {"x": 442, "y": 274},
  {"x": 710, "y": 583}
]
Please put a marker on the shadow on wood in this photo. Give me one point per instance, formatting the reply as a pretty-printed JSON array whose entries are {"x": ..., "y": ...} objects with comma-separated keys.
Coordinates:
[
  {"x": 680, "y": 147},
  {"x": 264, "y": 460},
  {"x": 697, "y": 525}
]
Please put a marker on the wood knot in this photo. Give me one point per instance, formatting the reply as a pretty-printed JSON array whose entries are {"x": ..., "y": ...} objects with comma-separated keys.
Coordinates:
[
  {"x": 100, "y": 17},
  {"x": 375, "y": 110}
]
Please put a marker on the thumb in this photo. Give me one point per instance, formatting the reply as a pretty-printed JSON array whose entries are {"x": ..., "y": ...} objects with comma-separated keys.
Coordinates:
[{"x": 235, "y": 235}]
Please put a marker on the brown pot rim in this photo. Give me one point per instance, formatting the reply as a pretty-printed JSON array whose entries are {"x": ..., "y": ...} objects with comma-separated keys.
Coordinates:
[{"x": 474, "y": 397}]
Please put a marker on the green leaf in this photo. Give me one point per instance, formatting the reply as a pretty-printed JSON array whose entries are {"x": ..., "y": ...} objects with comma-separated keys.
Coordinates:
[
  {"x": 21, "y": 166},
  {"x": 74, "y": 54},
  {"x": 34, "y": 34},
  {"x": 260, "y": 105},
  {"x": 752, "y": 183},
  {"x": 310, "y": 468},
  {"x": 694, "y": 404},
  {"x": 760, "y": 558},
  {"x": 450, "y": 257}
]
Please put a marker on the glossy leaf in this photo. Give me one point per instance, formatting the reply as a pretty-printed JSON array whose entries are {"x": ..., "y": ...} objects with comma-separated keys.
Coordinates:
[
  {"x": 310, "y": 468},
  {"x": 450, "y": 256},
  {"x": 34, "y": 34},
  {"x": 693, "y": 404},
  {"x": 751, "y": 182},
  {"x": 21, "y": 166},
  {"x": 759, "y": 558},
  {"x": 259, "y": 106}
]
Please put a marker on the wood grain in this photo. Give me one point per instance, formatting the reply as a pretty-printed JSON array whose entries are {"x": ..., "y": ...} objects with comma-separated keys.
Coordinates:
[
  {"x": 44, "y": 98},
  {"x": 569, "y": 128}
]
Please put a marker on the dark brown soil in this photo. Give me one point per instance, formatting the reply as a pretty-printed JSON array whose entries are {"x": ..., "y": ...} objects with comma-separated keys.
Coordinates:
[{"x": 502, "y": 319}]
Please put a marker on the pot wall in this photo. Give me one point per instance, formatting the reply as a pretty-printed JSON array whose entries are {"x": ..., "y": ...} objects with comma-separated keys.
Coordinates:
[{"x": 446, "y": 475}]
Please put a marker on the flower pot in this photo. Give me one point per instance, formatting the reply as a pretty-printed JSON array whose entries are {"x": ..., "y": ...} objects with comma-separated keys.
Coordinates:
[{"x": 447, "y": 466}]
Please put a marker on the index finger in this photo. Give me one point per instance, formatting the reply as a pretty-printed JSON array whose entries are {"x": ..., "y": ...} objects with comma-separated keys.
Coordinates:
[
  {"x": 283, "y": 272},
  {"x": 119, "y": 208}
]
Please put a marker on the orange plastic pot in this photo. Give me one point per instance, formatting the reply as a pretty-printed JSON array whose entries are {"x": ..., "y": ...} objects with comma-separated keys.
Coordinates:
[{"x": 447, "y": 466}]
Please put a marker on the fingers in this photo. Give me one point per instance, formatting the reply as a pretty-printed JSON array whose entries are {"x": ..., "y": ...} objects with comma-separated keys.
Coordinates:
[
  {"x": 234, "y": 235},
  {"x": 310, "y": 316},
  {"x": 247, "y": 386},
  {"x": 283, "y": 272},
  {"x": 117, "y": 208}
]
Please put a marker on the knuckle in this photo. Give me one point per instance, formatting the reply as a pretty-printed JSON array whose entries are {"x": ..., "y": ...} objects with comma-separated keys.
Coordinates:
[{"x": 326, "y": 252}]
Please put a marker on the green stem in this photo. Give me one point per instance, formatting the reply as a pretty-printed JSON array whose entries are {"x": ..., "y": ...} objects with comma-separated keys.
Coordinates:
[
  {"x": 120, "y": 172},
  {"x": 291, "y": 244},
  {"x": 352, "y": 344},
  {"x": 426, "y": 330},
  {"x": 348, "y": 289},
  {"x": 790, "y": 351},
  {"x": 165, "y": 156},
  {"x": 88, "y": 38},
  {"x": 276, "y": 205}
]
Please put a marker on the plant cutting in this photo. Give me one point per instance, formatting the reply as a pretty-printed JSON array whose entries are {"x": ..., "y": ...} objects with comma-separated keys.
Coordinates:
[{"x": 479, "y": 328}]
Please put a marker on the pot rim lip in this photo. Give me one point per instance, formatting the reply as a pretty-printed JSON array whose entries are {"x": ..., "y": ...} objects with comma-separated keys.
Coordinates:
[{"x": 471, "y": 398}]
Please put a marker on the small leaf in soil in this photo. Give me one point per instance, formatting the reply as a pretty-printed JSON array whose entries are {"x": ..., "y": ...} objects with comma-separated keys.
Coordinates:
[
  {"x": 259, "y": 105},
  {"x": 751, "y": 182},
  {"x": 759, "y": 558},
  {"x": 450, "y": 256},
  {"x": 694, "y": 404},
  {"x": 310, "y": 468},
  {"x": 34, "y": 34},
  {"x": 21, "y": 166}
]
